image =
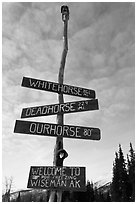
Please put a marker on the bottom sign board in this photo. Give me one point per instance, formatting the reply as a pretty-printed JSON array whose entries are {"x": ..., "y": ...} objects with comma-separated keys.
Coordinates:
[{"x": 59, "y": 178}]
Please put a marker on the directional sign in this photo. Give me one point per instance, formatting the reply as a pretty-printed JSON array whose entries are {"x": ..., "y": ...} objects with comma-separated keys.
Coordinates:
[
  {"x": 53, "y": 177},
  {"x": 70, "y": 107},
  {"x": 57, "y": 88},
  {"x": 50, "y": 129}
]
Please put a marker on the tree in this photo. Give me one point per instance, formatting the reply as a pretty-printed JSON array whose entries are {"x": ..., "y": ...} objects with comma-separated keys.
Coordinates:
[
  {"x": 123, "y": 177},
  {"x": 108, "y": 198},
  {"x": 120, "y": 178},
  {"x": 78, "y": 196},
  {"x": 18, "y": 198},
  {"x": 96, "y": 195},
  {"x": 90, "y": 192},
  {"x": 115, "y": 182},
  {"x": 8, "y": 187},
  {"x": 131, "y": 173}
]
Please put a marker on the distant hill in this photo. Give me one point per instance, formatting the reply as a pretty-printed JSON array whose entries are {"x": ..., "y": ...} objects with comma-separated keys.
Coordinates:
[{"x": 39, "y": 195}]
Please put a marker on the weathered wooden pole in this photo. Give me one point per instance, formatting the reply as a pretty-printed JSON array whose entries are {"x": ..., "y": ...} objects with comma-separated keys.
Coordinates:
[{"x": 59, "y": 153}]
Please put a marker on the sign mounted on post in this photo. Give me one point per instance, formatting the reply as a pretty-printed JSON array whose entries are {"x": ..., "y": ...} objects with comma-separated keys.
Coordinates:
[
  {"x": 57, "y": 88},
  {"x": 50, "y": 129},
  {"x": 57, "y": 178},
  {"x": 70, "y": 107}
]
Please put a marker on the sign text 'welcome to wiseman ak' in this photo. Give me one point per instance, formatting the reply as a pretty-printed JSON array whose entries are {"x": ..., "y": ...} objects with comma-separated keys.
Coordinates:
[{"x": 54, "y": 177}]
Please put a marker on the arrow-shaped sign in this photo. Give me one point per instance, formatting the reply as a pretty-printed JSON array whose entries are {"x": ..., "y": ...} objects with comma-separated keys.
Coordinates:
[
  {"x": 50, "y": 129},
  {"x": 57, "y": 88},
  {"x": 69, "y": 107}
]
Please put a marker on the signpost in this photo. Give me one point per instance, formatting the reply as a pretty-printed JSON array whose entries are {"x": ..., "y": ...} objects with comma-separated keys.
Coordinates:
[
  {"x": 57, "y": 178},
  {"x": 56, "y": 130},
  {"x": 57, "y": 87},
  {"x": 69, "y": 107}
]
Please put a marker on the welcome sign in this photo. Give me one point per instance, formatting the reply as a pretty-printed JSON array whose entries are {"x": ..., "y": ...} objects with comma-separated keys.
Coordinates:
[{"x": 54, "y": 177}]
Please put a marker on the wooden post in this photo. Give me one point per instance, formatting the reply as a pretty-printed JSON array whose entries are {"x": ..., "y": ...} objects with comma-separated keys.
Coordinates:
[{"x": 59, "y": 153}]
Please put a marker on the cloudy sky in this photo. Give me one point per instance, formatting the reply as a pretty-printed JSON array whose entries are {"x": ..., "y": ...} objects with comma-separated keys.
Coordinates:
[{"x": 100, "y": 57}]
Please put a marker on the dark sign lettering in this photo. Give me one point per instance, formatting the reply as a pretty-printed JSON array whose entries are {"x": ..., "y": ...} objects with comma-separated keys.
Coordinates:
[
  {"x": 53, "y": 177},
  {"x": 70, "y": 107},
  {"x": 57, "y": 88},
  {"x": 50, "y": 129}
]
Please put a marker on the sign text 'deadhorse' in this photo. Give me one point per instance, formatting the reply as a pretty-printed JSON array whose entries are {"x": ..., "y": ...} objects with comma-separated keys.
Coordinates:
[
  {"x": 69, "y": 107},
  {"x": 50, "y": 129},
  {"x": 57, "y": 88},
  {"x": 53, "y": 177}
]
